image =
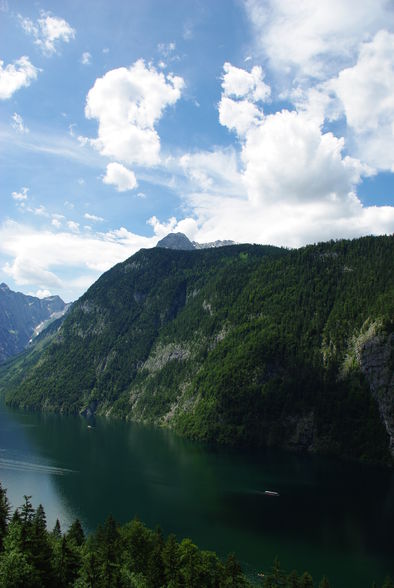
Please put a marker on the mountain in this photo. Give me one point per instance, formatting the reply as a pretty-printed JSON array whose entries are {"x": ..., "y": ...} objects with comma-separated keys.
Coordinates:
[
  {"x": 246, "y": 345},
  {"x": 23, "y": 317},
  {"x": 177, "y": 241},
  {"x": 180, "y": 242}
]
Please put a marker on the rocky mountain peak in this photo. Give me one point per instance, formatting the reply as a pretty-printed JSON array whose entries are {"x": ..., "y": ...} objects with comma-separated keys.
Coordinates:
[
  {"x": 181, "y": 242},
  {"x": 176, "y": 241}
]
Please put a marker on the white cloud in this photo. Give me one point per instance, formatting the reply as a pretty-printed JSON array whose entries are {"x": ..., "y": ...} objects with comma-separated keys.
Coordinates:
[
  {"x": 48, "y": 31},
  {"x": 248, "y": 88},
  {"x": 287, "y": 158},
  {"x": 15, "y": 76},
  {"x": 293, "y": 185},
  {"x": 18, "y": 124},
  {"x": 166, "y": 49},
  {"x": 213, "y": 172},
  {"x": 93, "y": 217},
  {"x": 73, "y": 226},
  {"x": 43, "y": 293},
  {"x": 20, "y": 196},
  {"x": 56, "y": 223},
  {"x": 25, "y": 271},
  {"x": 366, "y": 91},
  {"x": 86, "y": 58},
  {"x": 38, "y": 257},
  {"x": 293, "y": 225},
  {"x": 39, "y": 211},
  {"x": 238, "y": 115},
  {"x": 128, "y": 102},
  {"x": 309, "y": 38},
  {"x": 122, "y": 178},
  {"x": 240, "y": 83}
]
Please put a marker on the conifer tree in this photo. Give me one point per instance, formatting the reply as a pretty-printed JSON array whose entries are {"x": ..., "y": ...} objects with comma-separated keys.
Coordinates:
[
  {"x": 76, "y": 534},
  {"x": 306, "y": 580},
  {"x": 4, "y": 515},
  {"x": 57, "y": 531},
  {"x": 170, "y": 558}
]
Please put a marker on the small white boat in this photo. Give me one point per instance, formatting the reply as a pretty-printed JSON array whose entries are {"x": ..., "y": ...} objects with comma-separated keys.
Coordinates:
[{"x": 271, "y": 493}]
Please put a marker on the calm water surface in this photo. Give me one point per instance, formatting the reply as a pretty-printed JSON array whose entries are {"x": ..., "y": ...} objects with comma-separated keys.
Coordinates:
[{"x": 331, "y": 517}]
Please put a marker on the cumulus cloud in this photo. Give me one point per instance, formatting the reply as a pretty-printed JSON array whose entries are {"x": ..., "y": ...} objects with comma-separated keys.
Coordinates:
[
  {"x": 292, "y": 225},
  {"x": 288, "y": 158},
  {"x": 295, "y": 183},
  {"x": 238, "y": 115},
  {"x": 244, "y": 84},
  {"x": 15, "y": 76},
  {"x": 18, "y": 124},
  {"x": 128, "y": 103},
  {"x": 241, "y": 91},
  {"x": 366, "y": 92},
  {"x": 309, "y": 38},
  {"x": 119, "y": 176},
  {"x": 331, "y": 59},
  {"x": 48, "y": 31}
]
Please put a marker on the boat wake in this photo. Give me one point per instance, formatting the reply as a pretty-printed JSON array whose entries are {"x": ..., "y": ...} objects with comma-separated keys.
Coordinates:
[{"x": 25, "y": 466}]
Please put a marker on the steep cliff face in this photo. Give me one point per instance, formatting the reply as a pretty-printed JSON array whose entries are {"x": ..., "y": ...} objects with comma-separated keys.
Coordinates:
[
  {"x": 376, "y": 358},
  {"x": 23, "y": 317}
]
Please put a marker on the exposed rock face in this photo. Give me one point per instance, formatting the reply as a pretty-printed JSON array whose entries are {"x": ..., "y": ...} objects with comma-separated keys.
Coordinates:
[
  {"x": 163, "y": 354},
  {"x": 300, "y": 432},
  {"x": 376, "y": 355},
  {"x": 181, "y": 242},
  {"x": 176, "y": 241},
  {"x": 23, "y": 317},
  {"x": 213, "y": 244}
]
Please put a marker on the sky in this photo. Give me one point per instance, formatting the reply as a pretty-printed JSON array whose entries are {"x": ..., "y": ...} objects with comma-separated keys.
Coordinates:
[{"x": 261, "y": 121}]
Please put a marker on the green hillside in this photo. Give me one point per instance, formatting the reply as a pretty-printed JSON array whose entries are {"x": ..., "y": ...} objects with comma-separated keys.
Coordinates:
[{"x": 244, "y": 345}]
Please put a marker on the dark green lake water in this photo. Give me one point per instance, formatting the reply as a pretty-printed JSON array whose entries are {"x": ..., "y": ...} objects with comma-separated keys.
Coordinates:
[{"x": 331, "y": 517}]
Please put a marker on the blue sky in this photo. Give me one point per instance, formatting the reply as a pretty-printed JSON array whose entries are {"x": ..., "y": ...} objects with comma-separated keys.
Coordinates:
[{"x": 263, "y": 121}]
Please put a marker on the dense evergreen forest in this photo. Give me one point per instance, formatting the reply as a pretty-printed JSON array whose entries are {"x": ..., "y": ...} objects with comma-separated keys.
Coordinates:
[
  {"x": 127, "y": 556},
  {"x": 246, "y": 345}
]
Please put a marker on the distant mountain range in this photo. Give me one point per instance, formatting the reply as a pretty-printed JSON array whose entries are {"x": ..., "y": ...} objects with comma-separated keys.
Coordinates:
[
  {"x": 246, "y": 345},
  {"x": 24, "y": 317},
  {"x": 180, "y": 242}
]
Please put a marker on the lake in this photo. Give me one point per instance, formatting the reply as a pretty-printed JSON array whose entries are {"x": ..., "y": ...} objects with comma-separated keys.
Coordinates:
[{"x": 331, "y": 517}]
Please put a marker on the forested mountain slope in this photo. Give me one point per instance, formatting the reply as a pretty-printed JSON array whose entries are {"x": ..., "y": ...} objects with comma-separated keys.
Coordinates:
[{"x": 245, "y": 345}]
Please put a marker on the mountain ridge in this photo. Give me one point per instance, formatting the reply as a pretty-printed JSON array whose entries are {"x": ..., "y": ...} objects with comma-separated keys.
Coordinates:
[
  {"x": 246, "y": 345},
  {"x": 179, "y": 241},
  {"x": 22, "y": 317}
]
